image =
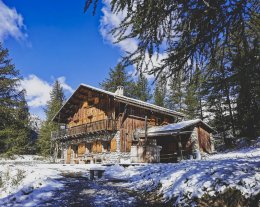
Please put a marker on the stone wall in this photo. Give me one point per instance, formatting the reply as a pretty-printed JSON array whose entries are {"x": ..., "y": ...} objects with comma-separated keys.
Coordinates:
[{"x": 145, "y": 153}]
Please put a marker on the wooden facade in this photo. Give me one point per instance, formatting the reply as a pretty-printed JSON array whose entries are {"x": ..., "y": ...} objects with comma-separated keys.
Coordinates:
[{"x": 95, "y": 123}]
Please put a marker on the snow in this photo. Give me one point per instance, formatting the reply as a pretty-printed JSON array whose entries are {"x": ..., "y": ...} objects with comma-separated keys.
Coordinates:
[
  {"x": 25, "y": 179},
  {"x": 16, "y": 159},
  {"x": 173, "y": 127},
  {"x": 193, "y": 179},
  {"x": 31, "y": 181}
]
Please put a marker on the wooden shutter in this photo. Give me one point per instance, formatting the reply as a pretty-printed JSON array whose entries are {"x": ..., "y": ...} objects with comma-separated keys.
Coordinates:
[
  {"x": 81, "y": 149},
  {"x": 113, "y": 145},
  {"x": 94, "y": 147},
  {"x": 99, "y": 146}
]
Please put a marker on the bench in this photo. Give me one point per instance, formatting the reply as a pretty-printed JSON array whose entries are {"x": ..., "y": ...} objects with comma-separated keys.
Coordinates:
[{"x": 92, "y": 172}]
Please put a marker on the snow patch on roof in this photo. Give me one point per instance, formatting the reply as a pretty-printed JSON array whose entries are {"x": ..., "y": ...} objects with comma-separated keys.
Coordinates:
[{"x": 173, "y": 127}]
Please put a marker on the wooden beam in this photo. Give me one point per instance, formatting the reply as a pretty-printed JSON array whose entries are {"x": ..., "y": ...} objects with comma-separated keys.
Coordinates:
[
  {"x": 124, "y": 116},
  {"x": 145, "y": 129}
]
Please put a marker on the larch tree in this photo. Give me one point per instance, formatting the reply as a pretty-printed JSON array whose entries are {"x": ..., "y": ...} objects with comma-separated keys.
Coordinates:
[{"x": 53, "y": 105}]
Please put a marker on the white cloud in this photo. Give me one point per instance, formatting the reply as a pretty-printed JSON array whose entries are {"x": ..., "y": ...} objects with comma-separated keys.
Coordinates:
[
  {"x": 38, "y": 90},
  {"x": 11, "y": 23},
  {"x": 109, "y": 21},
  {"x": 64, "y": 85}
]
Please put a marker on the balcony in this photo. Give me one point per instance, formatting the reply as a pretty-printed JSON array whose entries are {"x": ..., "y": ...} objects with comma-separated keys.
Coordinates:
[{"x": 84, "y": 129}]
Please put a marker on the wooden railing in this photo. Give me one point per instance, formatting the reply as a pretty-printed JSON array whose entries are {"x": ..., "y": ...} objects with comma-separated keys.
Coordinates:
[{"x": 97, "y": 126}]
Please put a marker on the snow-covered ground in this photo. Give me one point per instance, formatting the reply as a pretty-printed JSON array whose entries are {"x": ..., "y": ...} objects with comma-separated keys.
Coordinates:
[
  {"x": 29, "y": 181},
  {"x": 184, "y": 181}
]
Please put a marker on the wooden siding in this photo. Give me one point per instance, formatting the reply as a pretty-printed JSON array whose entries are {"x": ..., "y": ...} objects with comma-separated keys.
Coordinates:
[
  {"x": 91, "y": 110},
  {"x": 204, "y": 140},
  {"x": 127, "y": 130},
  {"x": 113, "y": 145},
  {"x": 132, "y": 118}
]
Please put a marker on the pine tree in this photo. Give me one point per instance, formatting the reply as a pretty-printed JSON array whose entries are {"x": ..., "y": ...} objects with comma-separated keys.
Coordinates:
[
  {"x": 54, "y": 104},
  {"x": 160, "y": 91},
  {"x": 118, "y": 77},
  {"x": 141, "y": 89},
  {"x": 20, "y": 143},
  {"x": 14, "y": 115}
]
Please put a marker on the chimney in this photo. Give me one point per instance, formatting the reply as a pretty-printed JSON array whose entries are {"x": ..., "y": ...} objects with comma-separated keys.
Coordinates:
[{"x": 120, "y": 90}]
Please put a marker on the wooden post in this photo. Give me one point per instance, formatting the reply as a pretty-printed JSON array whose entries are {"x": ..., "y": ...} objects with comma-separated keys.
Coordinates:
[
  {"x": 180, "y": 147},
  {"x": 91, "y": 174},
  {"x": 145, "y": 132}
]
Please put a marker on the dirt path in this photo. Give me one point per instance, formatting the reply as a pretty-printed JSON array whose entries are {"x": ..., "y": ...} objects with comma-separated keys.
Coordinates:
[{"x": 79, "y": 192}]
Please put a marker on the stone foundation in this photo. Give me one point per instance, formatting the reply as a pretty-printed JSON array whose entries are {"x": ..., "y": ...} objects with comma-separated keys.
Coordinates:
[{"x": 145, "y": 153}]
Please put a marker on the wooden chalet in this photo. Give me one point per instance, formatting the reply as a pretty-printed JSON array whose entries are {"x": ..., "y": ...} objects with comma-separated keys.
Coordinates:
[{"x": 101, "y": 126}]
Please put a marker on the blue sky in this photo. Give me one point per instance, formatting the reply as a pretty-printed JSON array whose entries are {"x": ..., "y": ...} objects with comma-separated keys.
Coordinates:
[{"x": 54, "y": 39}]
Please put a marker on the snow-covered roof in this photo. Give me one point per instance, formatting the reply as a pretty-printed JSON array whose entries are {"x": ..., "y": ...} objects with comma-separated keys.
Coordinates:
[
  {"x": 119, "y": 98},
  {"x": 175, "y": 127}
]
